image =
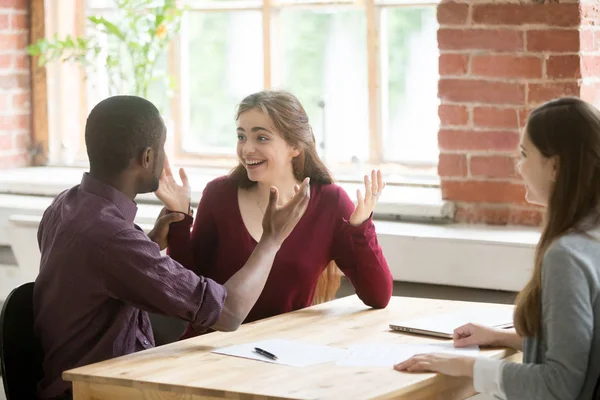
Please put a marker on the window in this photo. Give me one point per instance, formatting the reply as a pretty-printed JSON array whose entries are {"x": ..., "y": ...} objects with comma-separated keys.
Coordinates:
[
  {"x": 224, "y": 64},
  {"x": 323, "y": 58},
  {"x": 365, "y": 71},
  {"x": 409, "y": 78}
]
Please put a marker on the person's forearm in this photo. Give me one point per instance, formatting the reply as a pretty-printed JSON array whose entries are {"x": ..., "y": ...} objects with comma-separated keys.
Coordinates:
[
  {"x": 246, "y": 285},
  {"x": 508, "y": 338}
]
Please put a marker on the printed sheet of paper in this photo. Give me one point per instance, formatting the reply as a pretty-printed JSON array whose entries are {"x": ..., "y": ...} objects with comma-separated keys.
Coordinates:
[
  {"x": 388, "y": 355},
  {"x": 288, "y": 352}
]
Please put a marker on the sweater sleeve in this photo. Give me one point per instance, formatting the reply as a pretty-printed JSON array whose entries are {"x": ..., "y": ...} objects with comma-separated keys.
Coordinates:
[
  {"x": 567, "y": 328},
  {"x": 358, "y": 255},
  {"x": 195, "y": 250},
  {"x": 487, "y": 377}
]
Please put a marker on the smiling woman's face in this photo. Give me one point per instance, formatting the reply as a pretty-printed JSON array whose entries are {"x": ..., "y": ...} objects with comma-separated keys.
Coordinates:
[
  {"x": 538, "y": 172},
  {"x": 261, "y": 148}
]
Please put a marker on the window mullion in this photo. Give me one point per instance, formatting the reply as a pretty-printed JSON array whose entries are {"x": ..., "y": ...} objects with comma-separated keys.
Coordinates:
[
  {"x": 80, "y": 18},
  {"x": 39, "y": 87},
  {"x": 179, "y": 69},
  {"x": 374, "y": 80},
  {"x": 266, "y": 23}
]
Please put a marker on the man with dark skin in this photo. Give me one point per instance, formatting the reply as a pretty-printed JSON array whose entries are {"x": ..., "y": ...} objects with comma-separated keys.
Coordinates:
[{"x": 100, "y": 273}]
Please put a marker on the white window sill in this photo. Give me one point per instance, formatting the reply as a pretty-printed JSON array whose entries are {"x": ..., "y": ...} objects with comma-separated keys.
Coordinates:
[{"x": 397, "y": 202}]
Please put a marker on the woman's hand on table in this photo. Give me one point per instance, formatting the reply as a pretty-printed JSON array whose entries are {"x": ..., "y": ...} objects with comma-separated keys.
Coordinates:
[
  {"x": 475, "y": 335},
  {"x": 447, "y": 364}
]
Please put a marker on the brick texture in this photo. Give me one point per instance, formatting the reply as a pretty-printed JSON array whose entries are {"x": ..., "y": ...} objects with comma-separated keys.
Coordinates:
[
  {"x": 452, "y": 165},
  {"x": 498, "y": 40},
  {"x": 499, "y": 59},
  {"x": 15, "y": 85},
  {"x": 493, "y": 167},
  {"x": 492, "y": 13},
  {"x": 507, "y": 66},
  {"x": 499, "y": 214}
]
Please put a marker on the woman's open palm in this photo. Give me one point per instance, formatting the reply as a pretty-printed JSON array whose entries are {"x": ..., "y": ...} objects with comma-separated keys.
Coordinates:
[{"x": 365, "y": 205}]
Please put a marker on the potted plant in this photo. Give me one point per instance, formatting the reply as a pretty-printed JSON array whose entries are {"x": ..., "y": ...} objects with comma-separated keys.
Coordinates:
[{"x": 126, "y": 47}]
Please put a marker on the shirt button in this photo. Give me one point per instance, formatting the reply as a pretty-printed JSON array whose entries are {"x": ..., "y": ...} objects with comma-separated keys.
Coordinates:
[{"x": 146, "y": 343}]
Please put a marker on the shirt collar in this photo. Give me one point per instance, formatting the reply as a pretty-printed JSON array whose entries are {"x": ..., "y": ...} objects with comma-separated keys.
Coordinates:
[{"x": 126, "y": 206}]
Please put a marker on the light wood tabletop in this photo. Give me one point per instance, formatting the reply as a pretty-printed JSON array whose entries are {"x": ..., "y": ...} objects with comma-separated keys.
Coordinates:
[{"x": 188, "y": 370}]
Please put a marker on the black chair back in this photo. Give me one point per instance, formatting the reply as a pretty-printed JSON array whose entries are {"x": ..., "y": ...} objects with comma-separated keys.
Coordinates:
[{"x": 20, "y": 352}]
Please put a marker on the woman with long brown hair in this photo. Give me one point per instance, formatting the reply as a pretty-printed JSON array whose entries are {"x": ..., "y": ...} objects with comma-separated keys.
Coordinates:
[
  {"x": 276, "y": 148},
  {"x": 557, "y": 314}
]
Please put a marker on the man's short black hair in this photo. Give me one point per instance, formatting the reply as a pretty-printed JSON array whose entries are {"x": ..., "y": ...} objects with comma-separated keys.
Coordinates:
[{"x": 118, "y": 129}]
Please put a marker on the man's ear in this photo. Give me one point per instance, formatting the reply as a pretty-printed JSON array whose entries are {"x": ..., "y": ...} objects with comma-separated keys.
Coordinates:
[{"x": 147, "y": 157}]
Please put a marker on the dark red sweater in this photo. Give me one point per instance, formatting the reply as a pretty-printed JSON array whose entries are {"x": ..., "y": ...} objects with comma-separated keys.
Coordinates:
[{"x": 219, "y": 245}]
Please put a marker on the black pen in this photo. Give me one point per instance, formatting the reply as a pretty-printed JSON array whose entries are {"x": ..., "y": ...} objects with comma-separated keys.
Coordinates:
[{"x": 265, "y": 353}]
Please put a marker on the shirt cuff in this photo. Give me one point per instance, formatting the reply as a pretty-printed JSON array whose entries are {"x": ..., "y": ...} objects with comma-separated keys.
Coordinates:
[
  {"x": 212, "y": 305},
  {"x": 487, "y": 377}
]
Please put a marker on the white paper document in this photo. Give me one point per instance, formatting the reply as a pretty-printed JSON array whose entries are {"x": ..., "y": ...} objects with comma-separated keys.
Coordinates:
[
  {"x": 388, "y": 355},
  {"x": 288, "y": 352}
]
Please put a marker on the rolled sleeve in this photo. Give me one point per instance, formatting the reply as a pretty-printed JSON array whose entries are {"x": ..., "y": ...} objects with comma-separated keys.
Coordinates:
[{"x": 212, "y": 305}]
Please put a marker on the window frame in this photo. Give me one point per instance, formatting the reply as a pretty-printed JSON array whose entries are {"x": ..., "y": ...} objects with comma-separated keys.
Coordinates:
[{"x": 179, "y": 102}]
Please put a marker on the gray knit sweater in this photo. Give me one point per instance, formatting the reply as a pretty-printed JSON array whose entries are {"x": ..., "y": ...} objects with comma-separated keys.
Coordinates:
[{"x": 564, "y": 363}]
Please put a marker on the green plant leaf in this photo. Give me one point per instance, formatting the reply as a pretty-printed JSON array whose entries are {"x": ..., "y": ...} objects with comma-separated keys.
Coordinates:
[
  {"x": 82, "y": 42},
  {"x": 131, "y": 55},
  {"x": 68, "y": 42},
  {"x": 34, "y": 50},
  {"x": 109, "y": 26}
]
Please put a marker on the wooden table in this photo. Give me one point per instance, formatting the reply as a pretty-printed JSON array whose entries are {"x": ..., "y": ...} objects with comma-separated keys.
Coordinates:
[{"x": 187, "y": 370}]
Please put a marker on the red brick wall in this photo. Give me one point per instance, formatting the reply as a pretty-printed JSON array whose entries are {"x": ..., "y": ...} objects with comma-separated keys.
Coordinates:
[
  {"x": 588, "y": 67},
  {"x": 15, "y": 88},
  {"x": 498, "y": 60}
]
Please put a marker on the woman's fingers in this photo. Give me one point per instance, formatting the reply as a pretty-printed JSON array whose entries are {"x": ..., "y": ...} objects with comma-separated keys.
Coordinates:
[
  {"x": 184, "y": 177},
  {"x": 374, "y": 183},
  {"x": 167, "y": 167}
]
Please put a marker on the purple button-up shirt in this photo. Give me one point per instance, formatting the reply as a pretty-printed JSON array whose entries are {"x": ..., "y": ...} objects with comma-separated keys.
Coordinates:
[{"x": 99, "y": 274}]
